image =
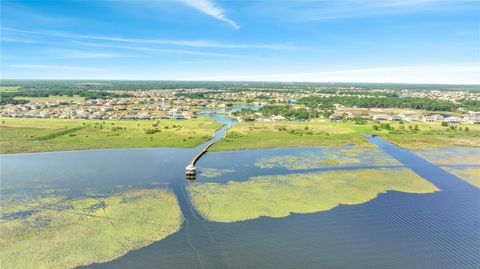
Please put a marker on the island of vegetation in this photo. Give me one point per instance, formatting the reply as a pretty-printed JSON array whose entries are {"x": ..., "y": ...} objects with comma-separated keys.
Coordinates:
[
  {"x": 214, "y": 172},
  {"x": 328, "y": 157},
  {"x": 468, "y": 174},
  {"x": 453, "y": 155},
  {"x": 56, "y": 232},
  {"x": 279, "y": 196}
]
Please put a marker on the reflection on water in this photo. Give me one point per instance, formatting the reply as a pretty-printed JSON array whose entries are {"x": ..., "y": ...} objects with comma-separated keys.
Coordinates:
[{"x": 395, "y": 230}]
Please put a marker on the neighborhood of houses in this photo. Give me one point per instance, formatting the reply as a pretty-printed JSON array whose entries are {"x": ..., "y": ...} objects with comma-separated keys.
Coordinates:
[{"x": 176, "y": 104}]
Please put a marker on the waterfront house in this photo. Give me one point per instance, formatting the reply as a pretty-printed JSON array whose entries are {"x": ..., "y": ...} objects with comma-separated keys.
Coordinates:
[
  {"x": 452, "y": 119},
  {"x": 380, "y": 117}
]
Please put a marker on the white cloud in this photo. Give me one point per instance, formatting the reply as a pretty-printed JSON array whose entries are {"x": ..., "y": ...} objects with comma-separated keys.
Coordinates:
[
  {"x": 166, "y": 51},
  {"x": 209, "y": 8},
  {"x": 307, "y": 10},
  {"x": 174, "y": 42},
  {"x": 437, "y": 74},
  {"x": 55, "y": 67}
]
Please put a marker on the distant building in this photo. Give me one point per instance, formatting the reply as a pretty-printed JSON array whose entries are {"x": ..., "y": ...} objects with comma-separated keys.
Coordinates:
[
  {"x": 413, "y": 118},
  {"x": 399, "y": 117},
  {"x": 336, "y": 116},
  {"x": 278, "y": 118},
  {"x": 380, "y": 117},
  {"x": 178, "y": 116},
  {"x": 433, "y": 118},
  {"x": 452, "y": 119}
]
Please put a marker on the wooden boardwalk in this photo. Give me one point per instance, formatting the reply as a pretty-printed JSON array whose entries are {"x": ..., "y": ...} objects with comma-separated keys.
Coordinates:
[{"x": 200, "y": 154}]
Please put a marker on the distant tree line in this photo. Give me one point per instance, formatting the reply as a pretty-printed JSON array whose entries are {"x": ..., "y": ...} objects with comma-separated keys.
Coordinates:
[
  {"x": 285, "y": 111},
  {"x": 9, "y": 97},
  {"x": 11, "y": 100},
  {"x": 379, "y": 102},
  {"x": 218, "y": 85}
]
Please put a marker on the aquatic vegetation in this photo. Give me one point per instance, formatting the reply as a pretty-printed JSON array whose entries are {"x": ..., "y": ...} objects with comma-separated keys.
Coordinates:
[
  {"x": 214, "y": 172},
  {"x": 455, "y": 155},
  {"x": 324, "y": 157},
  {"x": 56, "y": 232},
  {"x": 279, "y": 196},
  {"x": 469, "y": 174}
]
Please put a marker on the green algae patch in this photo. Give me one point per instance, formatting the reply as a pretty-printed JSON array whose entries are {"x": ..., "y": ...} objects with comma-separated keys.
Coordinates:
[
  {"x": 279, "y": 196},
  {"x": 62, "y": 233},
  {"x": 469, "y": 174},
  {"x": 325, "y": 157},
  {"x": 214, "y": 172},
  {"x": 454, "y": 155}
]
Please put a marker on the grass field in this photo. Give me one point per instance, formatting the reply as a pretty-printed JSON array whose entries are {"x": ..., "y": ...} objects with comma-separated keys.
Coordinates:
[
  {"x": 8, "y": 89},
  {"x": 256, "y": 135},
  {"x": 279, "y": 196},
  {"x": 55, "y": 232},
  {"x": 37, "y": 135},
  {"x": 52, "y": 98}
]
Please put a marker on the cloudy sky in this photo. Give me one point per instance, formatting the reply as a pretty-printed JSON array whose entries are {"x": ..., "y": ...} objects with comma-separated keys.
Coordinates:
[{"x": 407, "y": 41}]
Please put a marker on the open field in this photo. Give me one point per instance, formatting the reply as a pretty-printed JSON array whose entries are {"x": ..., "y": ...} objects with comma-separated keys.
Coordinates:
[
  {"x": 8, "y": 89},
  {"x": 52, "y": 98},
  {"x": 257, "y": 135},
  {"x": 279, "y": 196},
  {"x": 56, "y": 232},
  {"x": 254, "y": 135},
  {"x": 37, "y": 135},
  {"x": 433, "y": 135}
]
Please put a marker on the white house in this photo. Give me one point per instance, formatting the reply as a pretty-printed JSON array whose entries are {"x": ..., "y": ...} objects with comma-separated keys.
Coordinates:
[
  {"x": 380, "y": 117},
  {"x": 278, "y": 118},
  {"x": 452, "y": 119}
]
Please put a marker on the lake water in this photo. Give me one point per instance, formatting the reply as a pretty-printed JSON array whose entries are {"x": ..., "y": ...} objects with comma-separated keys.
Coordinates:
[{"x": 395, "y": 230}]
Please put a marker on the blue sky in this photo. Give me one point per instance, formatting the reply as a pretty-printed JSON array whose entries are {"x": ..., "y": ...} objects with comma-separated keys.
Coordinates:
[{"x": 406, "y": 41}]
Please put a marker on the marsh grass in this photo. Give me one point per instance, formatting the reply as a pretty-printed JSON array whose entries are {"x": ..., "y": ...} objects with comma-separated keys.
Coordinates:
[
  {"x": 279, "y": 196},
  {"x": 468, "y": 174},
  {"x": 453, "y": 155},
  {"x": 344, "y": 156},
  {"x": 61, "y": 233},
  {"x": 214, "y": 172}
]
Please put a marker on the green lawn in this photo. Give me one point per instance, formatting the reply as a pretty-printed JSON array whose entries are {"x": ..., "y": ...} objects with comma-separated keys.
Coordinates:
[
  {"x": 9, "y": 89},
  {"x": 257, "y": 135},
  {"x": 37, "y": 135}
]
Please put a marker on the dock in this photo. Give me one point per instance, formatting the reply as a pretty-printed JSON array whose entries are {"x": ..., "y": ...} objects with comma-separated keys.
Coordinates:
[{"x": 191, "y": 170}]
